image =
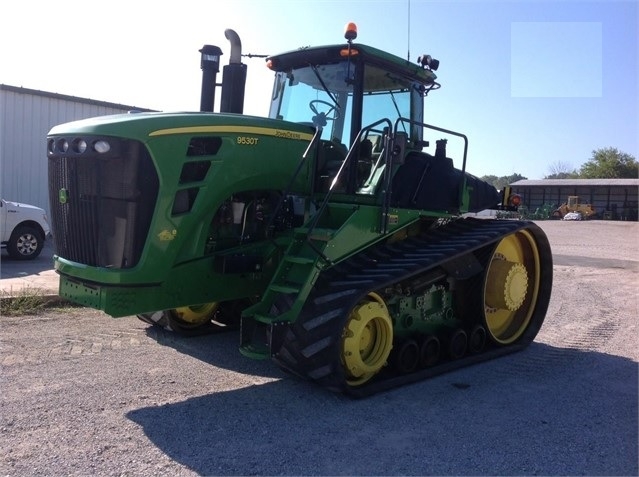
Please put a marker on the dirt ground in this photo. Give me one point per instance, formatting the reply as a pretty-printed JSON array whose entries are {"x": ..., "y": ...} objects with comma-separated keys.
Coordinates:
[{"x": 84, "y": 394}]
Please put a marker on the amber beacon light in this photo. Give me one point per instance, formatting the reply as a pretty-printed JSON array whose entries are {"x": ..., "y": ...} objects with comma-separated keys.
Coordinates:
[{"x": 350, "y": 32}]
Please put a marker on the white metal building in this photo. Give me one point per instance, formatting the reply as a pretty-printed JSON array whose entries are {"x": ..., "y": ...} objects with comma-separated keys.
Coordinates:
[{"x": 26, "y": 116}]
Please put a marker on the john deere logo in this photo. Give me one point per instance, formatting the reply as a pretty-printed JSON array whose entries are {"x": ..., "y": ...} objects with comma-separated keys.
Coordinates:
[
  {"x": 166, "y": 235},
  {"x": 63, "y": 196}
]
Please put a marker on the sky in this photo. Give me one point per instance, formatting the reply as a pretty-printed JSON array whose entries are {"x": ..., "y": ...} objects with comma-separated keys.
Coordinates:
[{"x": 535, "y": 85}]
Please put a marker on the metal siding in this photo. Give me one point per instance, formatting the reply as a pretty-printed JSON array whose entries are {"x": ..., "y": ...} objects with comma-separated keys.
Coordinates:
[
  {"x": 25, "y": 122},
  {"x": 576, "y": 182},
  {"x": 619, "y": 199}
]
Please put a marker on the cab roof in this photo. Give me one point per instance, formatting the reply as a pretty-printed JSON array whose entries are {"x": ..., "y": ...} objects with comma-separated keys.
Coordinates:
[{"x": 334, "y": 53}]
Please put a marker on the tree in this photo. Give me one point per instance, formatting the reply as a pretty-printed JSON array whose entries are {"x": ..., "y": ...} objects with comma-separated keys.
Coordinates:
[
  {"x": 500, "y": 182},
  {"x": 561, "y": 170},
  {"x": 610, "y": 163},
  {"x": 490, "y": 179},
  {"x": 514, "y": 178}
]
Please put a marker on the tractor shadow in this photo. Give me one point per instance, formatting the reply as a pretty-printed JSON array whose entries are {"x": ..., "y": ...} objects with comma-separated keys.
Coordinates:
[
  {"x": 544, "y": 410},
  {"x": 218, "y": 348},
  {"x": 576, "y": 260}
]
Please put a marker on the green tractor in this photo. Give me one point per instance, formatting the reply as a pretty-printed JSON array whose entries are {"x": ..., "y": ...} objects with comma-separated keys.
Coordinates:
[{"x": 327, "y": 232}]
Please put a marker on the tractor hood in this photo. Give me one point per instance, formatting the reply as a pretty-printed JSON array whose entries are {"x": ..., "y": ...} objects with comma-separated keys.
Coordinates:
[{"x": 149, "y": 125}]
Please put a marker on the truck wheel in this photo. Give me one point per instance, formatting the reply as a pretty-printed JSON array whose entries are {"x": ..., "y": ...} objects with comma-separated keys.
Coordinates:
[{"x": 25, "y": 243}]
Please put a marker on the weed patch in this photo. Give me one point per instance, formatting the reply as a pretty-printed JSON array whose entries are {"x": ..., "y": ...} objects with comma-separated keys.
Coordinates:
[{"x": 29, "y": 301}]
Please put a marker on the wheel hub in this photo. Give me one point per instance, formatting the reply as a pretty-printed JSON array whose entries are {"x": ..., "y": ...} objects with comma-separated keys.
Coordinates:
[
  {"x": 367, "y": 341},
  {"x": 506, "y": 285},
  {"x": 196, "y": 314},
  {"x": 27, "y": 244}
]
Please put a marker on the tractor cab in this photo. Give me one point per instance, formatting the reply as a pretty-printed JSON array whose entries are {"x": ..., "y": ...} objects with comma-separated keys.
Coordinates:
[{"x": 355, "y": 95}]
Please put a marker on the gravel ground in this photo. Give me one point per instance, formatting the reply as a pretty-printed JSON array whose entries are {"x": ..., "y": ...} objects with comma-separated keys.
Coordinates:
[{"x": 85, "y": 394}]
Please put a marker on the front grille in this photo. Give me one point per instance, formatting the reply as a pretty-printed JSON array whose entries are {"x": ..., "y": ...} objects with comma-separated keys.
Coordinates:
[{"x": 102, "y": 203}]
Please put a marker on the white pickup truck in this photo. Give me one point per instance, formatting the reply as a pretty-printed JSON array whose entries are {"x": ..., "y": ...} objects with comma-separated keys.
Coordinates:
[{"x": 23, "y": 229}]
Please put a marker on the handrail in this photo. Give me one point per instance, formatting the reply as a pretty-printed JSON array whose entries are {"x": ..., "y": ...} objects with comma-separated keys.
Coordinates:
[
  {"x": 436, "y": 128},
  {"x": 278, "y": 207},
  {"x": 389, "y": 146},
  {"x": 345, "y": 163},
  {"x": 447, "y": 131}
]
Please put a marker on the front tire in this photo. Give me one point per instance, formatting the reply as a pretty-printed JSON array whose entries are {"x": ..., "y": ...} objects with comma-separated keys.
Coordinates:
[
  {"x": 186, "y": 320},
  {"x": 25, "y": 243}
]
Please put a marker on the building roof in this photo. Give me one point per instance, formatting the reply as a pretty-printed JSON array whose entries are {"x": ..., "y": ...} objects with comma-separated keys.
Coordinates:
[
  {"x": 65, "y": 97},
  {"x": 577, "y": 183}
]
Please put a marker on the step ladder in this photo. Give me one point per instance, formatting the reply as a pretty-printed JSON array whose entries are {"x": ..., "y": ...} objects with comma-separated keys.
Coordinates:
[{"x": 285, "y": 296}]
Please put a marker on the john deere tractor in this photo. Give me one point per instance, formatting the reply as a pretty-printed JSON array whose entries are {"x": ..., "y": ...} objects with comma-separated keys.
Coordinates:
[{"x": 334, "y": 234}]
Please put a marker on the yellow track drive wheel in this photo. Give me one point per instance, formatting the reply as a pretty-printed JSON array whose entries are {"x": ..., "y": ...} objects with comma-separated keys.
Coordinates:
[
  {"x": 511, "y": 287},
  {"x": 194, "y": 316},
  {"x": 367, "y": 340}
]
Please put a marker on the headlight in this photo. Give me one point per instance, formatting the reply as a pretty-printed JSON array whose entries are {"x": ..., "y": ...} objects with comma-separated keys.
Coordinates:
[
  {"x": 79, "y": 146},
  {"x": 102, "y": 146}
]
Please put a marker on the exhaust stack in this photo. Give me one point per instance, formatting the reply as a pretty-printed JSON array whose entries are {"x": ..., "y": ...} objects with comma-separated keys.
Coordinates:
[{"x": 233, "y": 78}]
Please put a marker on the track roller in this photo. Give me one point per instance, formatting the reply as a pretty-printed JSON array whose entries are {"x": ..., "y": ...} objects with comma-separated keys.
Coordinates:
[
  {"x": 429, "y": 351},
  {"x": 457, "y": 344},
  {"x": 406, "y": 356},
  {"x": 476, "y": 339}
]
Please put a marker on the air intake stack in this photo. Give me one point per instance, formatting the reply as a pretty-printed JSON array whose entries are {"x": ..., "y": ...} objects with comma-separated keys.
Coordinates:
[{"x": 210, "y": 64}]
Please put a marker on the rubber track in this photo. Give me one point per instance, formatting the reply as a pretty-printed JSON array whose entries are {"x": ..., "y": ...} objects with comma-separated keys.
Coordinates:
[{"x": 311, "y": 344}]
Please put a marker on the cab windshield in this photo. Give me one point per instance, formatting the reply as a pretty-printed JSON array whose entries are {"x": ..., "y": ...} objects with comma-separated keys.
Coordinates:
[{"x": 322, "y": 96}]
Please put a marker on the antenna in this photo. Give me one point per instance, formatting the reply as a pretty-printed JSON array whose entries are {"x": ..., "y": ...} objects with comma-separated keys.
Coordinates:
[{"x": 408, "y": 40}]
